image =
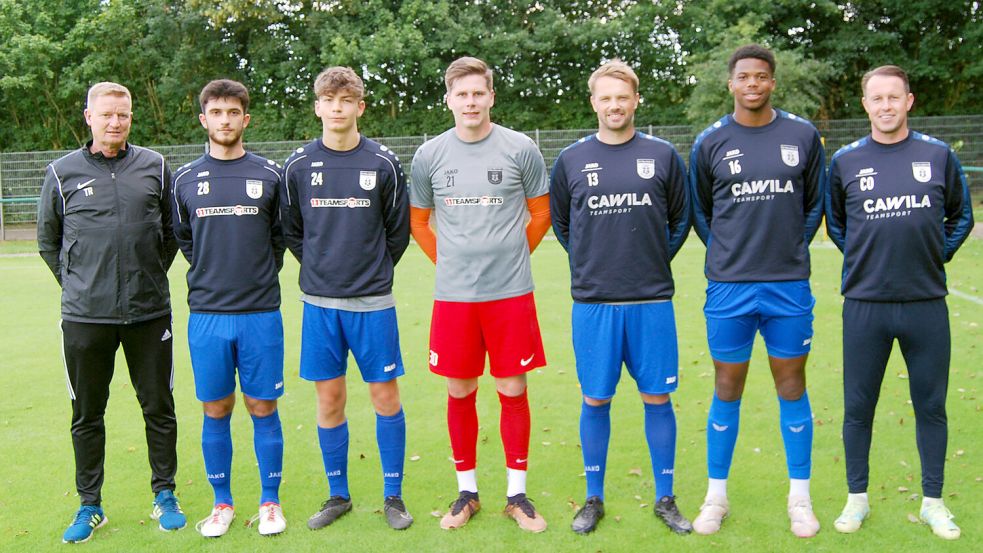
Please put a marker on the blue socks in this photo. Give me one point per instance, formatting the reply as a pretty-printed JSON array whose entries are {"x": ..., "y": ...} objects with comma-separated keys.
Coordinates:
[
  {"x": 660, "y": 433},
  {"x": 595, "y": 434},
  {"x": 722, "y": 424},
  {"x": 796, "y": 420},
  {"x": 268, "y": 443},
  {"x": 334, "y": 452},
  {"x": 390, "y": 433},
  {"x": 216, "y": 448}
]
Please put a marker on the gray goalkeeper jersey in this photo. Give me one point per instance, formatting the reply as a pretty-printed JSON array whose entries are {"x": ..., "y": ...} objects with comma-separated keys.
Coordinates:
[{"x": 478, "y": 192}]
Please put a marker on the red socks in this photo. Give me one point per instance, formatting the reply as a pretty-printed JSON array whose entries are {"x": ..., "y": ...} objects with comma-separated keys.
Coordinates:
[
  {"x": 514, "y": 426},
  {"x": 462, "y": 425}
]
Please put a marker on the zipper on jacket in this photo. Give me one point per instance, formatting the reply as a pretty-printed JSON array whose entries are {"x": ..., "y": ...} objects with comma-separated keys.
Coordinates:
[{"x": 123, "y": 300}]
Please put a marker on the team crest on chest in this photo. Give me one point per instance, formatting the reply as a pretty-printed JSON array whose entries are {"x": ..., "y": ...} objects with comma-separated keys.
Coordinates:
[
  {"x": 921, "y": 170},
  {"x": 495, "y": 176},
  {"x": 366, "y": 180},
  {"x": 645, "y": 168},
  {"x": 254, "y": 188},
  {"x": 790, "y": 155}
]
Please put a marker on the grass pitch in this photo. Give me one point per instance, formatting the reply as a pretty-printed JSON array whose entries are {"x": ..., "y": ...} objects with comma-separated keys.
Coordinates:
[{"x": 37, "y": 495}]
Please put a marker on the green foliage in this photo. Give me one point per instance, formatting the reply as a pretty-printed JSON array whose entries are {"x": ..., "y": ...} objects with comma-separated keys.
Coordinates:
[
  {"x": 542, "y": 52},
  {"x": 799, "y": 79}
]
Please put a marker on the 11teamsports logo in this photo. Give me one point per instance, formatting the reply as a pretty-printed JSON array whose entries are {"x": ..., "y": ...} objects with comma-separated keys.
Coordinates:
[
  {"x": 921, "y": 170},
  {"x": 645, "y": 168},
  {"x": 790, "y": 154},
  {"x": 237, "y": 210},
  {"x": 341, "y": 202}
]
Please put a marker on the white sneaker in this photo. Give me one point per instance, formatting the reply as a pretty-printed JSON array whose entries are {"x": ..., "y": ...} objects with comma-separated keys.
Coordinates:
[
  {"x": 853, "y": 516},
  {"x": 712, "y": 514},
  {"x": 271, "y": 520},
  {"x": 940, "y": 519},
  {"x": 804, "y": 521},
  {"x": 217, "y": 523}
]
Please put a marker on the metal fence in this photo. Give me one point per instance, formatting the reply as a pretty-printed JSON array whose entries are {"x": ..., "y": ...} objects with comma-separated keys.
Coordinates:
[{"x": 21, "y": 173}]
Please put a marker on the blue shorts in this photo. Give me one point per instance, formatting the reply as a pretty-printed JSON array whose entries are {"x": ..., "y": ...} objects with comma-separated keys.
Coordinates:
[
  {"x": 252, "y": 342},
  {"x": 642, "y": 336},
  {"x": 328, "y": 334},
  {"x": 782, "y": 311}
]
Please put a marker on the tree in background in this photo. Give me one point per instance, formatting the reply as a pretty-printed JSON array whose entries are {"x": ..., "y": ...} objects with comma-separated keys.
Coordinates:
[{"x": 164, "y": 50}]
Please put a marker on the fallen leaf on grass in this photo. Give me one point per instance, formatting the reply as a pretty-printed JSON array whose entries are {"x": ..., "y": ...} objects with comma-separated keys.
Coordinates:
[
  {"x": 436, "y": 514},
  {"x": 960, "y": 452},
  {"x": 415, "y": 458},
  {"x": 913, "y": 518},
  {"x": 635, "y": 472},
  {"x": 546, "y": 443},
  {"x": 902, "y": 489},
  {"x": 642, "y": 505}
]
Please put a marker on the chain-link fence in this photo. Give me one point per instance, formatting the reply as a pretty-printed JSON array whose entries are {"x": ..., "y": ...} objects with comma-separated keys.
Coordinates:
[{"x": 21, "y": 173}]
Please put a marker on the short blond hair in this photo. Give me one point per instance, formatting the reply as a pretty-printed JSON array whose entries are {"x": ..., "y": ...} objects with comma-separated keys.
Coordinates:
[
  {"x": 466, "y": 66},
  {"x": 616, "y": 69},
  {"x": 335, "y": 79},
  {"x": 885, "y": 71},
  {"x": 105, "y": 88}
]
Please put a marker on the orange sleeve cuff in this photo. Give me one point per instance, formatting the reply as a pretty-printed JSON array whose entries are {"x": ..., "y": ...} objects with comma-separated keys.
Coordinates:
[
  {"x": 539, "y": 223},
  {"x": 422, "y": 233}
]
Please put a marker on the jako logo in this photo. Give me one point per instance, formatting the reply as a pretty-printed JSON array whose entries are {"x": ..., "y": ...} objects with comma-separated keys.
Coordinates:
[
  {"x": 592, "y": 468},
  {"x": 390, "y": 475},
  {"x": 215, "y": 476},
  {"x": 334, "y": 473}
]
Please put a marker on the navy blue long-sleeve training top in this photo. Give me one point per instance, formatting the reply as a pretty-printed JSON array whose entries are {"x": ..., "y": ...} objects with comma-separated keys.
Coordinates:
[
  {"x": 345, "y": 218},
  {"x": 757, "y": 196},
  {"x": 621, "y": 212},
  {"x": 898, "y": 212},
  {"x": 227, "y": 224}
]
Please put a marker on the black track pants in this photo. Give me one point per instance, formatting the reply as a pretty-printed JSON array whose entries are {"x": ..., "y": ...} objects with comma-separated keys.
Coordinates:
[
  {"x": 922, "y": 331},
  {"x": 90, "y": 355}
]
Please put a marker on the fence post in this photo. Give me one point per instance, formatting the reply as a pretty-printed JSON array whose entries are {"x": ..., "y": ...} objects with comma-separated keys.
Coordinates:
[
  {"x": 650, "y": 131},
  {"x": 537, "y": 139},
  {"x": 3, "y": 229}
]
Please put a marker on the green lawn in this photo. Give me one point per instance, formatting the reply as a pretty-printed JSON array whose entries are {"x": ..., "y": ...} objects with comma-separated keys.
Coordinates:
[{"x": 37, "y": 497}]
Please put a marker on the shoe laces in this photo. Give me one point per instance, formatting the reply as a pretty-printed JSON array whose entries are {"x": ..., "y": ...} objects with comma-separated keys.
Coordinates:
[
  {"x": 272, "y": 511},
  {"x": 167, "y": 502},
  {"x": 395, "y": 502},
  {"x": 524, "y": 504},
  {"x": 938, "y": 512},
  {"x": 462, "y": 501},
  {"x": 214, "y": 518},
  {"x": 85, "y": 514},
  {"x": 853, "y": 510}
]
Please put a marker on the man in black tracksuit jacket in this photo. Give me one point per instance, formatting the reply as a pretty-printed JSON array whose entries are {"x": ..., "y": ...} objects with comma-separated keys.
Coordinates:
[{"x": 104, "y": 229}]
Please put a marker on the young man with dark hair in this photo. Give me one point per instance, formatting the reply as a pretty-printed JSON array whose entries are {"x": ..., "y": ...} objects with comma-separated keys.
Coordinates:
[
  {"x": 481, "y": 181},
  {"x": 756, "y": 178},
  {"x": 898, "y": 206},
  {"x": 619, "y": 206},
  {"x": 346, "y": 219},
  {"x": 104, "y": 230},
  {"x": 228, "y": 228}
]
